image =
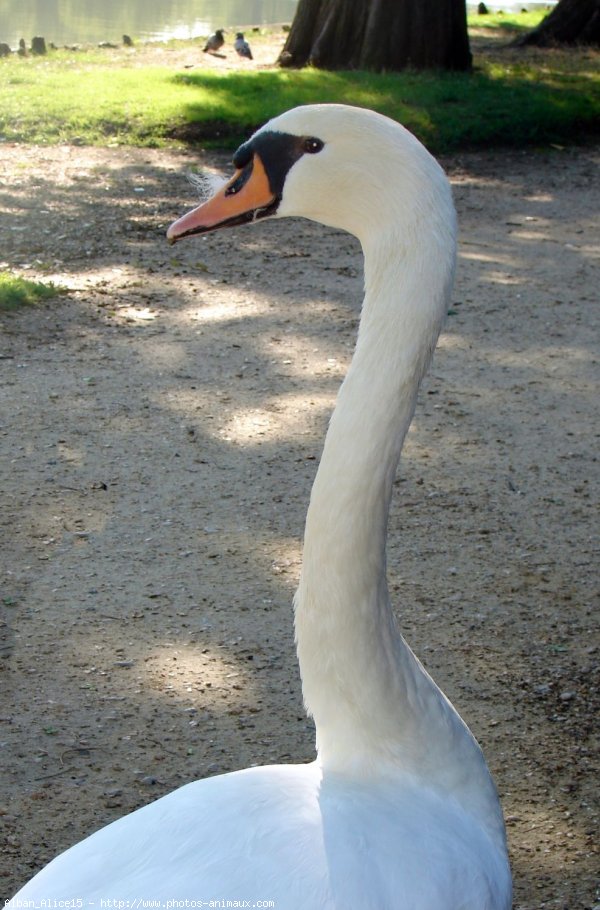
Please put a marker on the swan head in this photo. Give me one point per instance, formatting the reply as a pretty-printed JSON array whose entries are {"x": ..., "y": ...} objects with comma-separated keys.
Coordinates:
[{"x": 343, "y": 166}]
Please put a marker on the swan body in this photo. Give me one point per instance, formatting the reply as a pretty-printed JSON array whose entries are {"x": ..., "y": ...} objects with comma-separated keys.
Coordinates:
[
  {"x": 399, "y": 811},
  {"x": 286, "y": 834}
]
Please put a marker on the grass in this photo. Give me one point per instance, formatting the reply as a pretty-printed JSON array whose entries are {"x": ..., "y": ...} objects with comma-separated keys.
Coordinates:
[
  {"x": 498, "y": 106},
  {"x": 17, "y": 292},
  {"x": 514, "y": 97},
  {"x": 78, "y": 98},
  {"x": 511, "y": 22}
]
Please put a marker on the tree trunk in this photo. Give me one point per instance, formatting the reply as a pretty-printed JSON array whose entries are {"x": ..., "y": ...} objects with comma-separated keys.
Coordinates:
[
  {"x": 379, "y": 35},
  {"x": 570, "y": 22}
]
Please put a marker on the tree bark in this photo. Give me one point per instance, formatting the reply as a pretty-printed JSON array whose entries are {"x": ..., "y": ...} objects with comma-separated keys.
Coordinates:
[
  {"x": 570, "y": 22},
  {"x": 379, "y": 35}
]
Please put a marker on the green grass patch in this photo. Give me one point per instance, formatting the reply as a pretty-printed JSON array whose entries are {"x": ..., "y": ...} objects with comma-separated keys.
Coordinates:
[
  {"x": 510, "y": 22},
  {"x": 102, "y": 97},
  {"x": 79, "y": 98},
  {"x": 16, "y": 292},
  {"x": 495, "y": 106}
]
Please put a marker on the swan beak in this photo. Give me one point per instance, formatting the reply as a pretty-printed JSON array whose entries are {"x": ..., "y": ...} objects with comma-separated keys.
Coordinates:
[{"x": 246, "y": 197}]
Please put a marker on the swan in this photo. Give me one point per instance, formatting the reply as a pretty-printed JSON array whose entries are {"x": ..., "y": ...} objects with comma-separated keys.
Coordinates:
[{"x": 398, "y": 811}]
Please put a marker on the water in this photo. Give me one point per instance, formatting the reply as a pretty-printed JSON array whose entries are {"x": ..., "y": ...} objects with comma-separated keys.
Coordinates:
[{"x": 92, "y": 21}]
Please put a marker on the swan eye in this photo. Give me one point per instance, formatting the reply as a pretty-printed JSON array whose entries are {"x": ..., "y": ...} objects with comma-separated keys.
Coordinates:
[{"x": 312, "y": 145}]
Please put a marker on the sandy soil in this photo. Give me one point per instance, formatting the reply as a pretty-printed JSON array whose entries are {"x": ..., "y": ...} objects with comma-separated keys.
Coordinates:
[{"x": 161, "y": 426}]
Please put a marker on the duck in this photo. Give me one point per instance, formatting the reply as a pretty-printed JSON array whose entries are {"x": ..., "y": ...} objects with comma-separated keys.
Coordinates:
[
  {"x": 215, "y": 42},
  {"x": 398, "y": 810},
  {"x": 242, "y": 47}
]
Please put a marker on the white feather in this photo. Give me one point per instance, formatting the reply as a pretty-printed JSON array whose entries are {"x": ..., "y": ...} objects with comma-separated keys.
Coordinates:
[{"x": 206, "y": 183}]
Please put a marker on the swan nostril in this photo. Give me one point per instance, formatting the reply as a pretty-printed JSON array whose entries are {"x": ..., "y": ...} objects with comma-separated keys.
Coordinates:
[{"x": 241, "y": 180}]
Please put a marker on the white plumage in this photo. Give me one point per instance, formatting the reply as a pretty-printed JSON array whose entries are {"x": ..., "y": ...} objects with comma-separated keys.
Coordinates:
[{"x": 399, "y": 811}]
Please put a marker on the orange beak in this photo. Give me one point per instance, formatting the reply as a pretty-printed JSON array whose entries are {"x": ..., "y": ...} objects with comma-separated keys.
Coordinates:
[{"x": 246, "y": 197}]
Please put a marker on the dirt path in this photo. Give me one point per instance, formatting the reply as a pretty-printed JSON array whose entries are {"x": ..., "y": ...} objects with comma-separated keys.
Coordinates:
[{"x": 160, "y": 430}]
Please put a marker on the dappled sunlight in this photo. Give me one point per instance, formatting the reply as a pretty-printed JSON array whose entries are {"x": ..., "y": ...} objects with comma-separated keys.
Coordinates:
[
  {"x": 539, "y": 197},
  {"x": 188, "y": 669},
  {"x": 142, "y": 314},
  {"x": 496, "y": 256},
  {"x": 530, "y": 236},
  {"x": 70, "y": 454},
  {"x": 223, "y": 311},
  {"x": 496, "y": 277},
  {"x": 591, "y": 250},
  {"x": 451, "y": 342},
  {"x": 286, "y": 418}
]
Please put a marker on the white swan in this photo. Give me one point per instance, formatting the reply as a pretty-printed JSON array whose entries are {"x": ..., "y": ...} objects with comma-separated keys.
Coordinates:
[{"x": 399, "y": 811}]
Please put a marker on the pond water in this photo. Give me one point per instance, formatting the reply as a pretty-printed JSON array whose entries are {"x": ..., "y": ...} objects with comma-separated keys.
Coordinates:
[{"x": 92, "y": 21}]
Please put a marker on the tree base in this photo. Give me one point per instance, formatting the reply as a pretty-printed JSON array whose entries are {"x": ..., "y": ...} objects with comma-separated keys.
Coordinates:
[
  {"x": 378, "y": 35},
  {"x": 571, "y": 22}
]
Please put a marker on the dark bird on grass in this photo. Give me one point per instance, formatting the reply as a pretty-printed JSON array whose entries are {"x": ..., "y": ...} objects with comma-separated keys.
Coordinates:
[
  {"x": 242, "y": 46},
  {"x": 215, "y": 42}
]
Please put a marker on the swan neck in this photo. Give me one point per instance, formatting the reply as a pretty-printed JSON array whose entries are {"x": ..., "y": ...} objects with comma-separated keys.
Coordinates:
[
  {"x": 376, "y": 710},
  {"x": 347, "y": 638}
]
